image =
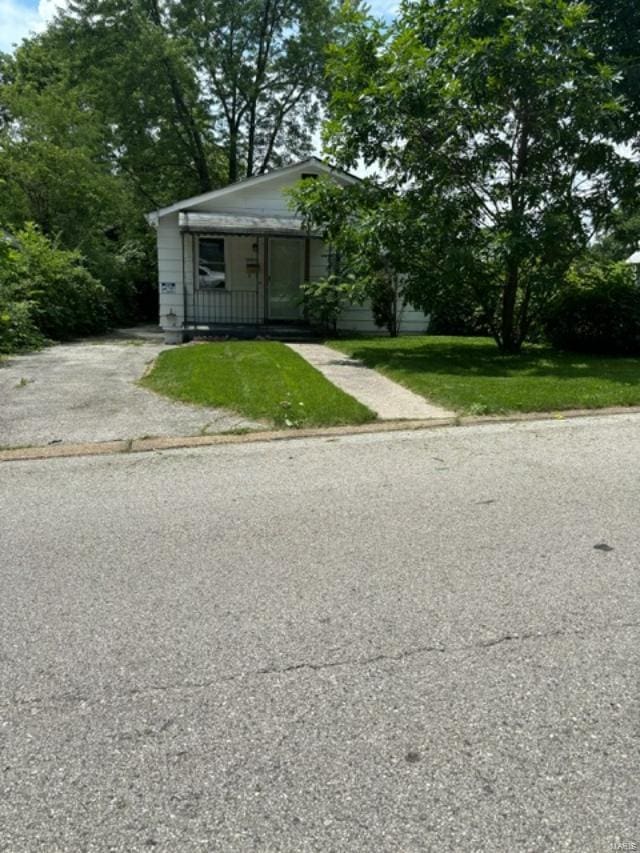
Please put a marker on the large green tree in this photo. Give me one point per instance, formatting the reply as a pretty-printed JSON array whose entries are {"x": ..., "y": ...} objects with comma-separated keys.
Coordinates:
[
  {"x": 128, "y": 69},
  {"x": 617, "y": 42},
  {"x": 224, "y": 88},
  {"x": 260, "y": 63},
  {"x": 88, "y": 142},
  {"x": 56, "y": 170},
  {"x": 496, "y": 120}
]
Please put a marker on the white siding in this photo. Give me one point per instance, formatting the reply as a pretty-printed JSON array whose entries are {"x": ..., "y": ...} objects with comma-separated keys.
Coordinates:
[
  {"x": 414, "y": 322},
  {"x": 358, "y": 318},
  {"x": 238, "y": 252},
  {"x": 265, "y": 198},
  {"x": 170, "y": 267}
]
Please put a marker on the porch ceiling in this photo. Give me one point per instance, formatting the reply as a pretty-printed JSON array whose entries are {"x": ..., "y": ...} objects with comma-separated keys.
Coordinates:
[{"x": 231, "y": 223}]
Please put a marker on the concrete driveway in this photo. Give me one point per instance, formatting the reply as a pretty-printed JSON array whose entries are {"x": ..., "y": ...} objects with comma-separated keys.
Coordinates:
[{"x": 87, "y": 391}]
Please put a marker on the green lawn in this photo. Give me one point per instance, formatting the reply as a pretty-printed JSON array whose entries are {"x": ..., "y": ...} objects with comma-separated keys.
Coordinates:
[
  {"x": 262, "y": 380},
  {"x": 470, "y": 376}
]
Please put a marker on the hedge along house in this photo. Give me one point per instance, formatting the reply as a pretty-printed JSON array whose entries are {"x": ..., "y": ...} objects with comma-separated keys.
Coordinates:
[{"x": 232, "y": 260}]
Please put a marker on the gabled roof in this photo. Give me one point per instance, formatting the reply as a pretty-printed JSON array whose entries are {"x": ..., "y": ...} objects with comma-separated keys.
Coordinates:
[{"x": 312, "y": 162}]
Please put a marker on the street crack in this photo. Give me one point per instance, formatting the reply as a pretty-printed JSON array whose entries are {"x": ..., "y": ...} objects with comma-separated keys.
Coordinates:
[{"x": 71, "y": 697}]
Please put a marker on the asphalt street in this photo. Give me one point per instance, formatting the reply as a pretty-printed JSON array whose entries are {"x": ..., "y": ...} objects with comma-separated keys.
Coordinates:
[{"x": 394, "y": 642}]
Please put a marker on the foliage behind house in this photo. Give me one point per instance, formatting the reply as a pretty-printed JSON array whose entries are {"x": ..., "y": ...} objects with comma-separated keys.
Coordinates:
[{"x": 46, "y": 293}]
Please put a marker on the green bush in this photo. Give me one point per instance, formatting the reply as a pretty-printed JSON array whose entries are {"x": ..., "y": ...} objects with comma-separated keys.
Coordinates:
[
  {"x": 458, "y": 315},
  {"x": 64, "y": 300},
  {"x": 323, "y": 300},
  {"x": 598, "y": 311},
  {"x": 129, "y": 276},
  {"x": 18, "y": 332}
]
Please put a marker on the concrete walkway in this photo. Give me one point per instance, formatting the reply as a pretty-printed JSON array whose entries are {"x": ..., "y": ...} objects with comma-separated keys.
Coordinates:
[{"x": 389, "y": 400}]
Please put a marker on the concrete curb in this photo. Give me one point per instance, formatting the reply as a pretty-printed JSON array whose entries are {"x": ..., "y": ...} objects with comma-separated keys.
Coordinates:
[{"x": 146, "y": 445}]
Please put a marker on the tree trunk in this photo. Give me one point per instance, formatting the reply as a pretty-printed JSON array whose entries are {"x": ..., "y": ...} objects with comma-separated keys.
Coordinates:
[
  {"x": 193, "y": 134},
  {"x": 233, "y": 155},
  {"x": 251, "y": 140},
  {"x": 509, "y": 338},
  {"x": 510, "y": 329},
  {"x": 183, "y": 111}
]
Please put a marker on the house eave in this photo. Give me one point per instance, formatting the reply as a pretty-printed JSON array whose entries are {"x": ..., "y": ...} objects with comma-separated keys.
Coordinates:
[
  {"x": 227, "y": 224},
  {"x": 313, "y": 162}
]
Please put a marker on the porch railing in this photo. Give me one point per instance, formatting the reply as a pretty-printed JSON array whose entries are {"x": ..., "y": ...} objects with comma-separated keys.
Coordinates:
[{"x": 224, "y": 307}]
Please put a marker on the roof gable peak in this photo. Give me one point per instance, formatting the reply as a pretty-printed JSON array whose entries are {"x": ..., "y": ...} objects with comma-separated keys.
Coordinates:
[{"x": 254, "y": 180}]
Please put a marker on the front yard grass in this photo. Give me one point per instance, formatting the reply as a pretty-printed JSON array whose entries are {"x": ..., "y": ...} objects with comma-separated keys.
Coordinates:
[
  {"x": 470, "y": 376},
  {"x": 263, "y": 380}
]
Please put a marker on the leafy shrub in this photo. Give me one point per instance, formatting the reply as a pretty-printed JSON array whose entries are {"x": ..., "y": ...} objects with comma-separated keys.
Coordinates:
[
  {"x": 63, "y": 298},
  {"x": 456, "y": 312},
  {"x": 18, "y": 332},
  {"x": 128, "y": 275},
  {"x": 598, "y": 311},
  {"x": 323, "y": 300}
]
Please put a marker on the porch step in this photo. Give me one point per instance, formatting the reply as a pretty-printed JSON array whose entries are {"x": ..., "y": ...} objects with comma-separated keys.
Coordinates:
[{"x": 276, "y": 332}]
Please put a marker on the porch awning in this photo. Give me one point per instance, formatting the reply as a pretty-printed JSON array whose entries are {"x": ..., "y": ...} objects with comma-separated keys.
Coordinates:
[{"x": 231, "y": 223}]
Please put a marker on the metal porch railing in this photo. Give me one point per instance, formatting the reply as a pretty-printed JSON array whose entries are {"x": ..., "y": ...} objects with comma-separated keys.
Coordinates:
[{"x": 222, "y": 307}]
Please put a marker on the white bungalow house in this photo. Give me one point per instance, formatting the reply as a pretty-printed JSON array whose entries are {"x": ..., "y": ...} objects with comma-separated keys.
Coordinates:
[{"x": 234, "y": 258}]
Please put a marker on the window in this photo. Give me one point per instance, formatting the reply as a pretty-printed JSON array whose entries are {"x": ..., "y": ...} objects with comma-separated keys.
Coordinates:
[
  {"x": 308, "y": 175},
  {"x": 211, "y": 273}
]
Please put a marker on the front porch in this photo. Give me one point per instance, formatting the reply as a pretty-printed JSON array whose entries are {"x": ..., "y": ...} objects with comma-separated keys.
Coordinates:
[{"x": 241, "y": 276}]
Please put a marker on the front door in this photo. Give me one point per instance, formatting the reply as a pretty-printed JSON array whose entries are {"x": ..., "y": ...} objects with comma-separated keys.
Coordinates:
[{"x": 285, "y": 278}]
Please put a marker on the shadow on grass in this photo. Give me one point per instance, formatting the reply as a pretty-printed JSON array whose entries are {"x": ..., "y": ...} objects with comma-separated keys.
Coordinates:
[{"x": 481, "y": 357}]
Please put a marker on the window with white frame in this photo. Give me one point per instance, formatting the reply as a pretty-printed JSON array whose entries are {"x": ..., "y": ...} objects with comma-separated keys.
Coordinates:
[{"x": 211, "y": 266}]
